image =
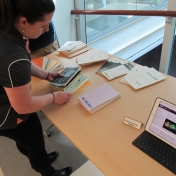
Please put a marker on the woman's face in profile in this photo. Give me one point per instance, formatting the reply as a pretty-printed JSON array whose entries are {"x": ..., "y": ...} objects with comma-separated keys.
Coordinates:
[{"x": 33, "y": 31}]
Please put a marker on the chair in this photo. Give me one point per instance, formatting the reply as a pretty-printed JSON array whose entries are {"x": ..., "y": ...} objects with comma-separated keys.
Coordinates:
[{"x": 46, "y": 131}]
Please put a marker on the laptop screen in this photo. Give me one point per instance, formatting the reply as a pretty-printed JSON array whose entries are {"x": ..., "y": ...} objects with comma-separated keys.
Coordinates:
[{"x": 162, "y": 121}]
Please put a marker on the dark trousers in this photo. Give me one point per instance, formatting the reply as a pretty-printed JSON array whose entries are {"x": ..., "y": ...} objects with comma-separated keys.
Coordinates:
[{"x": 30, "y": 142}]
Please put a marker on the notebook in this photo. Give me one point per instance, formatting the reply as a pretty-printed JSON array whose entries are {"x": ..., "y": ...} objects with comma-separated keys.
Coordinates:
[
  {"x": 114, "y": 67},
  {"x": 99, "y": 97},
  {"x": 159, "y": 138},
  {"x": 73, "y": 48},
  {"x": 69, "y": 45},
  {"x": 140, "y": 77},
  {"x": 92, "y": 56},
  {"x": 48, "y": 64}
]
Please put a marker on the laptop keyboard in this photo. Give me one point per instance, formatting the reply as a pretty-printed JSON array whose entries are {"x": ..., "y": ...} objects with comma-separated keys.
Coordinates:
[{"x": 157, "y": 149}]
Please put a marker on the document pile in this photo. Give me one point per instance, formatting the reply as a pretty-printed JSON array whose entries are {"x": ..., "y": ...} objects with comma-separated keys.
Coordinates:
[
  {"x": 73, "y": 80},
  {"x": 48, "y": 64},
  {"x": 92, "y": 56},
  {"x": 141, "y": 76},
  {"x": 99, "y": 97},
  {"x": 115, "y": 67},
  {"x": 73, "y": 48}
]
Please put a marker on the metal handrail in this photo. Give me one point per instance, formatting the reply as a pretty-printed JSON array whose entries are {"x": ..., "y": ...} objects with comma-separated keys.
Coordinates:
[{"x": 165, "y": 13}]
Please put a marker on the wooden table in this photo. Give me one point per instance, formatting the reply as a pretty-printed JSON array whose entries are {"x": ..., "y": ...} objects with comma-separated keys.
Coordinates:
[{"x": 103, "y": 137}]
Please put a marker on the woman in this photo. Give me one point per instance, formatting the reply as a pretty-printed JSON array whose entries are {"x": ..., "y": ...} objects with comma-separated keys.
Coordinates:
[
  {"x": 21, "y": 19},
  {"x": 45, "y": 44}
]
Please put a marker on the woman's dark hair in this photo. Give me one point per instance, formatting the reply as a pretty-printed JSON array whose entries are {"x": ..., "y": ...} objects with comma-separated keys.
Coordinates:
[{"x": 32, "y": 10}]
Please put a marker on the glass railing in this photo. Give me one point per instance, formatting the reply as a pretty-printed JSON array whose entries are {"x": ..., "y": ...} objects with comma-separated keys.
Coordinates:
[
  {"x": 97, "y": 23},
  {"x": 135, "y": 38}
]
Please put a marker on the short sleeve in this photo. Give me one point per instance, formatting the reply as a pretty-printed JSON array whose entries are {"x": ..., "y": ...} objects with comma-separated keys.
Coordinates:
[{"x": 17, "y": 74}]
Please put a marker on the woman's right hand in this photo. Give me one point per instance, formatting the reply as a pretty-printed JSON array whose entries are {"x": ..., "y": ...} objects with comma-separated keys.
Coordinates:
[{"x": 61, "y": 97}]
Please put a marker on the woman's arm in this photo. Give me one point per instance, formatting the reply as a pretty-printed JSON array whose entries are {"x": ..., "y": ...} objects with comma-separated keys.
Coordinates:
[
  {"x": 38, "y": 72},
  {"x": 23, "y": 102},
  {"x": 43, "y": 74}
]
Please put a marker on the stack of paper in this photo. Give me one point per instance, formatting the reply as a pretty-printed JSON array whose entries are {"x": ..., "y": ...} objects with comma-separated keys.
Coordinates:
[
  {"x": 141, "y": 76},
  {"x": 99, "y": 97},
  {"x": 73, "y": 48},
  {"x": 48, "y": 64},
  {"x": 73, "y": 79},
  {"x": 114, "y": 67},
  {"x": 92, "y": 56}
]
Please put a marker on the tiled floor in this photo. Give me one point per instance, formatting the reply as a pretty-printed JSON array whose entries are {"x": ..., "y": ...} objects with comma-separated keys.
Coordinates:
[{"x": 88, "y": 169}]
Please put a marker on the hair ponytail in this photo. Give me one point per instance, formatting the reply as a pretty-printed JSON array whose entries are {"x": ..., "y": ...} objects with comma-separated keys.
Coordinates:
[
  {"x": 7, "y": 14},
  {"x": 32, "y": 10}
]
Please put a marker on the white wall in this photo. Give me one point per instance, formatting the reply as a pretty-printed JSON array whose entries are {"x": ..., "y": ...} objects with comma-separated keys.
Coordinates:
[{"x": 63, "y": 20}]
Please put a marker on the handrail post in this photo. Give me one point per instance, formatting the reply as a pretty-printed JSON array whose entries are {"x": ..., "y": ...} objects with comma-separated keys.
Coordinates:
[
  {"x": 80, "y": 19},
  {"x": 169, "y": 34}
]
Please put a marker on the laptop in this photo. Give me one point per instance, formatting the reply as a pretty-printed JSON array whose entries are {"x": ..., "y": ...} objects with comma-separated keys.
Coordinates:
[{"x": 158, "y": 140}]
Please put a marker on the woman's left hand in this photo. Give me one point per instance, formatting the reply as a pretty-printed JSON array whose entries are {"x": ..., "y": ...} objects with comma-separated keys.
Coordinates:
[{"x": 53, "y": 75}]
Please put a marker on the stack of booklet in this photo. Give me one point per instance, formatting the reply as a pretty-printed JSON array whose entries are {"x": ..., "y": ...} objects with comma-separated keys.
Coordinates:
[
  {"x": 142, "y": 76},
  {"x": 99, "y": 97},
  {"x": 73, "y": 80},
  {"x": 73, "y": 48},
  {"x": 48, "y": 64},
  {"x": 92, "y": 56},
  {"x": 115, "y": 67}
]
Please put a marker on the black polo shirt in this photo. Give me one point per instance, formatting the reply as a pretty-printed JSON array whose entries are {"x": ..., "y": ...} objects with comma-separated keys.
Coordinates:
[{"x": 15, "y": 70}]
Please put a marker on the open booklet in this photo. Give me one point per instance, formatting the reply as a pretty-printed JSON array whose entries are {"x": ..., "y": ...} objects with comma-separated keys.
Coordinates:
[
  {"x": 68, "y": 73},
  {"x": 99, "y": 97},
  {"x": 114, "y": 67},
  {"x": 142, "y": 76}
]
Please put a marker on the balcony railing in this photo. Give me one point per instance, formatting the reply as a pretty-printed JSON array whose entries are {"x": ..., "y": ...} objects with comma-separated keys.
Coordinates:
[{"x": 165, "y": 13}]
